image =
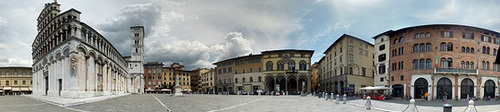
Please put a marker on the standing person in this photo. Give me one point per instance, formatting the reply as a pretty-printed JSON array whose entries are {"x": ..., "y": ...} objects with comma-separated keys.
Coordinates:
[
  {"x": 496, "y": 96},
  {"x": 445, "y": 97},
  {"x": 422, "y": 94},
  {"x": 426, "y": 96}
]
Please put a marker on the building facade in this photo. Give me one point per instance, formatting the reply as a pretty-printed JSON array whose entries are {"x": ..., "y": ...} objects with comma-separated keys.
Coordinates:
[
  {"x": 158, "y": 77},
  {"x": 208, "y": 81},
  {"x": 382, "y": 75},
  {"x": 15, "y": 80},
  {"x": 444, "y": 59},
  {"x": 315, "y": 76},
  {"x": 347, "y": 65},
  {"x": 196, "y": 79},
  {"x": 290, "y": 70},
  {"x": 72, "y": 60},
  {"x": 248, "y": 74}
]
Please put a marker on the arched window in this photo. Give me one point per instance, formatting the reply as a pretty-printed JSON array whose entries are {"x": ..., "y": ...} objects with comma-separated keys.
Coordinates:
[
  {"x": 251, "y": 70},
  {"x": 467, "y": 64},
  {"x": 243, "y": 79},
  {"x": 488, "y": 50},
  {"x": 396, "y": 41},
  {"x": 260, "y": 79},
  {"x": 495, "y": 52},
  {"x": 471, "y": 65},
  {"x": 236, "y": 80},
  {"x": 427, "y": 34},
  {"x": 463, "y": 49},
  {"x": 443, "y": 46},
  {"x": 484, "y": 50},
  {"x": 269, "y": 66},
  {"x": 260, "y": 69},
  {"x": 251, "y": 79},
  {"x": 450, "y": 62},
  {"x": 443, "y": 62},
  {"x": 401, "y": 40},
  {"x": 484, "y": 65},
  {"x": 422, "y": 47},
  {"x": 415, "y": 48},
  {"x": 422, "y": 64},
  {"x": 422, "y": 35},
  {"x": 429, "y": 47},
  {"x": 471, "y": 50},
  {"x": 462, "y": 64},
  {"x": 487, "y": 65},
  {"x": 429, "y": 64},
  {"x": 415, "y": 64},
  {"x": 417, "y": 35},
  {"x": 467, "y": 50},
  {"x": 302, "y": 65},
  {"x": 450, "y": 46},
  {"x": 281, "y": 65},
  {"x": 291, "y": 65}
]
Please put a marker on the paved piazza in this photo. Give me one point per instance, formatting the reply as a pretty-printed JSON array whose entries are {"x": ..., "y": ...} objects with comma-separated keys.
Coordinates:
[{"x": 232, "y": 103}]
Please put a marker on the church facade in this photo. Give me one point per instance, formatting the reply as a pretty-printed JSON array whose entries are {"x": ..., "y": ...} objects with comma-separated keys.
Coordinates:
[{"x": 72, "y": 60}]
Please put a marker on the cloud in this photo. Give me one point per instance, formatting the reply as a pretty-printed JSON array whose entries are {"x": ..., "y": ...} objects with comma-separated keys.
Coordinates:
[
  {"x": 3, "y": 22},
  {"x": 14, "y": 62},
  {"x": 235, "y": 45}
]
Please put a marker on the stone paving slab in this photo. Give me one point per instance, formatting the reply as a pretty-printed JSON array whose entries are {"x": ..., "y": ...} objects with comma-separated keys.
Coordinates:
[
  {"x": 25, "y": 104},
  {"x": 71, "y": 102},
  {"x": 437, "y": 107}
]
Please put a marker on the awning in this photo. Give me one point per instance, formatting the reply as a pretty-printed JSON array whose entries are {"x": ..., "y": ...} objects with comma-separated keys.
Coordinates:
[
  {"x": 25, "y": 89},
  {"x": 375, "y": 88},
  {"x": 16, "y": 89},
  {"x": 7, "y": 88},
  {"x": 187, "y": 89},
  {"x": 150, "y": 90},
  {"x": 166, "y": 90},
  {"x": 31, "y": 88}
]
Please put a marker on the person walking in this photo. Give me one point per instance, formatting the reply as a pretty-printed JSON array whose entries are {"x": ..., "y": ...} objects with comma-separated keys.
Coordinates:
[{"x": 426, "y": 96}]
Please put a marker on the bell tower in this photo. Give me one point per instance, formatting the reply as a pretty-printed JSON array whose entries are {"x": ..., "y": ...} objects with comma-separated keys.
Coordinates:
[{"x": 136, "y": 62}]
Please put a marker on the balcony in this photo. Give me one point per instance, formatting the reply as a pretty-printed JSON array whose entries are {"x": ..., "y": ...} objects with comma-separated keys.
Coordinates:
[{"x": 455, "y": 71}]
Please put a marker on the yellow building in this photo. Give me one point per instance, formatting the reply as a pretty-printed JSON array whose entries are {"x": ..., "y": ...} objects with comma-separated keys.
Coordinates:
[
  {"x": 208, "y": 81},
  {"x": 248, "y": 75},
  {"x": 347, "y": 65},
  {"x": 266, "y": 72},
  {"x": 282, "y": 70},
  {"x": 15, "y": 80}
]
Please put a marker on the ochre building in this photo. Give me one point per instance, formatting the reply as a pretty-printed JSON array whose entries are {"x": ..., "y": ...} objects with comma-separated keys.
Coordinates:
[{"x": 15, "y": 80}]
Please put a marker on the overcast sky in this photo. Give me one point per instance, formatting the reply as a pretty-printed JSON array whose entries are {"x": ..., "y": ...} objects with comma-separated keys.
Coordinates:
[{"x": 197, "y": 33}]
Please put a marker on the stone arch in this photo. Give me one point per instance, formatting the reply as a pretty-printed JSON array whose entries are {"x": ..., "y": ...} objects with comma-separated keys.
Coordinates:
[
  {"x": 59, "y": 56},
  {"x": 66, "y": 51}
]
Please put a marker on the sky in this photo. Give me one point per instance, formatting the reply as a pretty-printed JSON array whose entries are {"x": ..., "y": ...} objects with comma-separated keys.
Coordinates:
[{"x": 197, "y": 33}]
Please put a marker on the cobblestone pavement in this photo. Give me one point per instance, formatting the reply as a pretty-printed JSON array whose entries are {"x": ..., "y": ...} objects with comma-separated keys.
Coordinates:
[
  {"x": 25, "y": 104},
  {"x": 231, "y": 103}
]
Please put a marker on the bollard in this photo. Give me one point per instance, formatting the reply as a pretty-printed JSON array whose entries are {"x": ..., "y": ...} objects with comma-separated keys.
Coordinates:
[
  {"x": 338, "y": 99},
  {"x": 447, "y": 108},
  {"x": 471, "y": 106},
  {"x": 412, "y": 106},
  {"x": 368, "y": 103},
  {"x": 344, "y": 98}
]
